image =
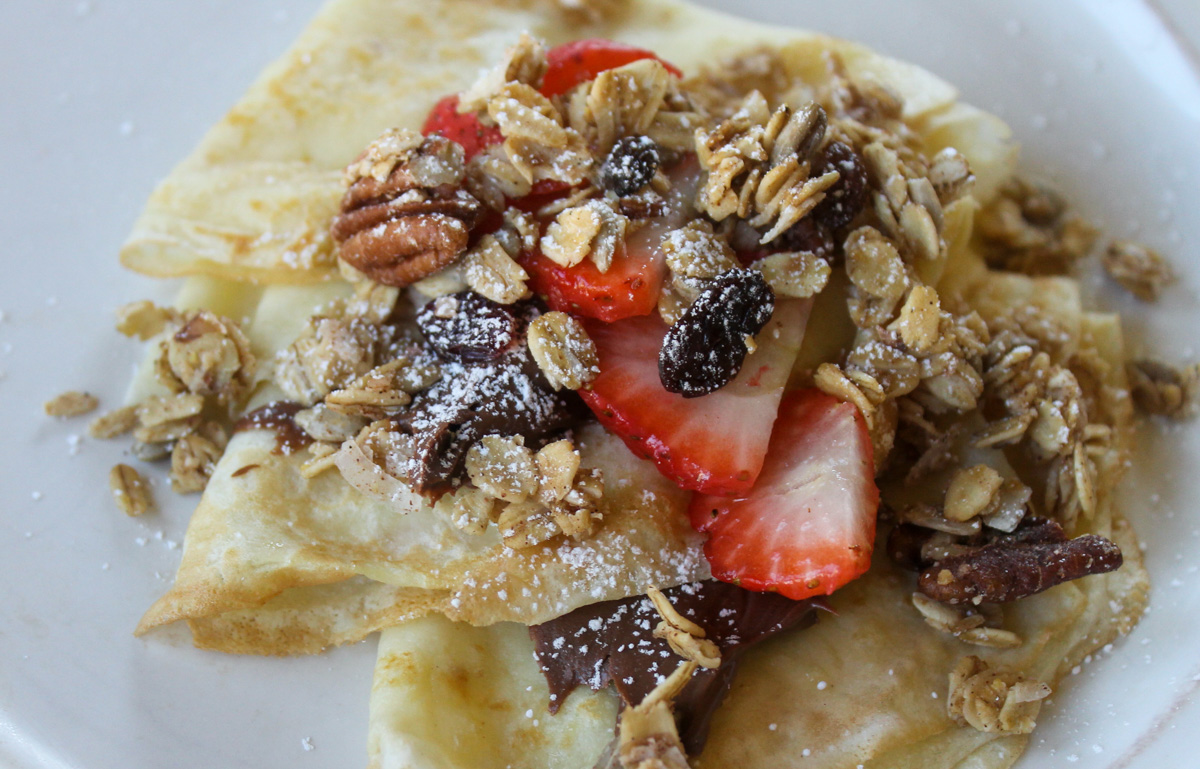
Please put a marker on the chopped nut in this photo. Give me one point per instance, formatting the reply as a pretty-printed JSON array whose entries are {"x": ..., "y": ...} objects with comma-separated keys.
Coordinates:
[
  {"x": 1142, "y": 270},
  {"x": 144, "y": 319},
  {"x": 471, "y": 509},
  {"x": 329, "y": 355},
  {"x": 323, "y": 423},
  {"x": 526, "y": 524},
  {"x": 71, "y": 404},
  {"x": 130, "y": 490},
  {"x": 114, "y": 423},
  {"x": 648, "y": 737},
  {"x": 377, "y": 161},
  {"x": 324, "y": 457},
  {"x": 799, "y": 274},
  {"x": 209, "y": 355},
  {"x": 950, "y": 175},
  {"x": 563, "y": 350},
  {"x": 966, "y": 624},
  {"x": 929, "y": 517},
  {"x": 1007, "y": 571},
  {"x": 593, "y": 229},
  {"x": 491, "y": 272},
  {"x": 993, "y": 700},
  {"x": 383, "y": 391},
  {"x": 557, "y": 464},
  {"x": 405, "y": 215},
  {"x": 1162, "y": 389},
  {"x": 168, "y": 418},
  {"x": 503, "y": 468},
  {"x": 577, "y": 514},
  {"x": 193, "y": 459},
  {"x": 971, "y": 492}
]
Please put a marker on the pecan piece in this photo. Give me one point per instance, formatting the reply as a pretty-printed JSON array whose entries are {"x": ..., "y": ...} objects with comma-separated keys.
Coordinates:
[
  {"x": 1006, "y": 571},
  {"x": 405, "y": 215}
]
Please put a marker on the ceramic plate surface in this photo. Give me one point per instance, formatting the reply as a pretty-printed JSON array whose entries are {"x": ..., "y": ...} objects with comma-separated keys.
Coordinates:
[{"x": 98, "y": 100}]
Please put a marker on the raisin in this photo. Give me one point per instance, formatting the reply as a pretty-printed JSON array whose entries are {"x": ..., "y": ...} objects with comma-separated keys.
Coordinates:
[
  {"x": 466, "y": 326},
  {"x": 630, "y": 165},
  {"x": 845, "y": 199},
  {"x": 808, "y": 235},
  {"x": 705, "y": 348}
]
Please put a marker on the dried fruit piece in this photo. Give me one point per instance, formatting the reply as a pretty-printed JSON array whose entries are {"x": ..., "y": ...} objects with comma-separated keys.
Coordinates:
[
  {"x": 705, "y": 349},
  {"x": 846, "y": 198},
  {"x": 467, "y": 326},
  {"x": 630, "y": 165}
]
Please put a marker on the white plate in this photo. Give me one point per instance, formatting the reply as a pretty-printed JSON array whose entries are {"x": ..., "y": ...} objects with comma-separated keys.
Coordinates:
[{"x": 99, "y": 99}]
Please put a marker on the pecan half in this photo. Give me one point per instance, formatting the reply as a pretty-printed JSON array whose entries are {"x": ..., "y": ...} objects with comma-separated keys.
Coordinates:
[
  {"x": 405, "y": 215},
  {"x": 1009, "y": 570}
]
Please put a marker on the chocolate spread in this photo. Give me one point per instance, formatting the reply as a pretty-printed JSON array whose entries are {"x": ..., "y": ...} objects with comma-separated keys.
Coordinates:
[
  {"x": 279, "y": 416},
  {"x": 614, "y": 642},
  {"x": 502, "y": 393}
]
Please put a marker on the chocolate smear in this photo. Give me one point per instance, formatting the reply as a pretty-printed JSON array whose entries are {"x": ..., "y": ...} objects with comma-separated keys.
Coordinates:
[
  {"x": 279, "y": 416},
  {"x": 504, "y": 395},
  {"x": 614, "y": 641}
]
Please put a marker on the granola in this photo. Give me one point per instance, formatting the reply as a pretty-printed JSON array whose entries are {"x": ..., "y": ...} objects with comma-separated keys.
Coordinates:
[{"x": 636, "y": 255}]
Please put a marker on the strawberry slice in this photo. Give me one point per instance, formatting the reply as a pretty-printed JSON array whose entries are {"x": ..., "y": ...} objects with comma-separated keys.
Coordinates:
[
  {"x": 634, "y": 280},
  {"x": 463, "y": 128},
  {"x": 630, "y": 286},
  {"x": 573, "y": 63},
  {"x": 716, "y": 443},
  {"x": 808, "y": 525}
]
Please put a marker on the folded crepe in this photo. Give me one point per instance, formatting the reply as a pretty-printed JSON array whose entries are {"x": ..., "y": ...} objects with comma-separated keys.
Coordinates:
[
  {"x": 272, "y": 560},
  {"x": 277, "y": 563}
]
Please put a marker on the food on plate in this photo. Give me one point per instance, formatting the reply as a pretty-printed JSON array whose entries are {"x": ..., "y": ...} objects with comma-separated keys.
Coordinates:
[{"x": 656, "y": 409}]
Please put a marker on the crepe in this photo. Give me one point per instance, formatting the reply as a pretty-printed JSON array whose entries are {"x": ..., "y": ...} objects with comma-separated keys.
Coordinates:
[
  {"x": 278, "y": 564},
  {"x": 249, "y": 204},
  {"x": 814, "y": 693}
]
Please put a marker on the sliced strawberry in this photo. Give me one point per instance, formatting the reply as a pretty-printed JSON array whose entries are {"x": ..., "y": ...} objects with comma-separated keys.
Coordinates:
[
  {"x": 573, "y": 63},
  {"x": 716, "y": 443},
  {"x": 630, "y": 286},
  {"x": 463, "y": 128},
  {"x": 634, "y": 280},
  {"x": 808, "y": 525}
]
